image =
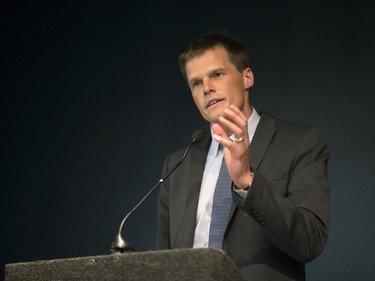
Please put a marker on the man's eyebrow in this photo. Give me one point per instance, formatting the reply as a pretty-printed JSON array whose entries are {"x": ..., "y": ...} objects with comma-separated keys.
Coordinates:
[
  {"x": 210, "y": 72},
  {"x": 218, "y": 69}
]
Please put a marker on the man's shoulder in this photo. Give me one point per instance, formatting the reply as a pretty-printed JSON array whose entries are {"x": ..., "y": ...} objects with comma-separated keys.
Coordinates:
[
  {"x": 289, "y": 130},
  {"x": 269, "y": 121}
]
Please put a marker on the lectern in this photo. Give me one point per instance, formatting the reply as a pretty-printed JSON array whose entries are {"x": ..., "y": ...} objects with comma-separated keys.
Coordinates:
[{"x": 179, "y": 265}]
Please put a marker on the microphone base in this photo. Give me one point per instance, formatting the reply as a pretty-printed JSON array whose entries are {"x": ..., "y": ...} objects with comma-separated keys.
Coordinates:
[
  {"x": 128, "y": 249},
  {"x": 121, "y": 246}
]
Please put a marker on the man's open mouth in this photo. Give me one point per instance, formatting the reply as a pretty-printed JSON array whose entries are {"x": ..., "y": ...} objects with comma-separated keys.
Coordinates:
[{"x": 213, "y": 102}]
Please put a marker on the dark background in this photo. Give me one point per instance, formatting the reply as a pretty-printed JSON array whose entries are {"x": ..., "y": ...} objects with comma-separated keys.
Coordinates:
[{"x": 92, "y": 101}]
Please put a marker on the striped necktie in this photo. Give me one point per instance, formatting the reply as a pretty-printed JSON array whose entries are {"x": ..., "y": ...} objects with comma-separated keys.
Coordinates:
[{"x": 220, "y": 207}]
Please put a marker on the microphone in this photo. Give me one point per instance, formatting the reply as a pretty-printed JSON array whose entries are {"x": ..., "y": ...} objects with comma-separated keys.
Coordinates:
[{"x": 119, "y": 245}]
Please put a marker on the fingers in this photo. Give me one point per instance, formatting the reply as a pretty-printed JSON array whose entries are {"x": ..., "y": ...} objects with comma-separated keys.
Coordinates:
[
  {"x": 222, "y": 139},
  {"x": 236, "y": 153},
  {"x": 233, "y": 124},
  {"x": 238, "y": 112},
  {"x": 233, "y": 121}
]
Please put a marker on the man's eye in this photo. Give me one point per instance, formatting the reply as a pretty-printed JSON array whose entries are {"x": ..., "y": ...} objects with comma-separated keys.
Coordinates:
[
  {"x": 217, "y": 74},
  {"x": 196, "y": 83}
]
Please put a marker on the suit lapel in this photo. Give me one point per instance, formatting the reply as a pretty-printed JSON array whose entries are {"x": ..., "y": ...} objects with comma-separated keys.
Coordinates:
[
  {"x": 186, "y": 225},
  {"x": 261, "y": 140}
]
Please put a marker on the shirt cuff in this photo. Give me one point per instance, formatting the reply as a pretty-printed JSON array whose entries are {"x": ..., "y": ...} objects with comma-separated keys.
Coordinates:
[{"x": 240, "y": 193}]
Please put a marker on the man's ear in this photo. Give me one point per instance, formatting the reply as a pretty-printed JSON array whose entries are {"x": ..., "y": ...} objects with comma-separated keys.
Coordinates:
[{"x": 248, "y": 77}]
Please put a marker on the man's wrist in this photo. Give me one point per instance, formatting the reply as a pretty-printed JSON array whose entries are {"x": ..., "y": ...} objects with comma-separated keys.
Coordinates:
[{"x": 250, "y": 181}]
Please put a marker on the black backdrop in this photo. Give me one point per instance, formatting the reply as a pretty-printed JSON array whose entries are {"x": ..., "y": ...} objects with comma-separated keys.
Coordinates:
[{"x": 92, "y": 101}]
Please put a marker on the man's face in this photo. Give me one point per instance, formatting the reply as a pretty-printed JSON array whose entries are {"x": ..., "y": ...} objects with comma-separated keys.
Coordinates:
[{"x": 215, "y": 84}]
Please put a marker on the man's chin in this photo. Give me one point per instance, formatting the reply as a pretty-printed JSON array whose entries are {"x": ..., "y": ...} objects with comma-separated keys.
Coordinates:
[{"x": 213, "y": 119}]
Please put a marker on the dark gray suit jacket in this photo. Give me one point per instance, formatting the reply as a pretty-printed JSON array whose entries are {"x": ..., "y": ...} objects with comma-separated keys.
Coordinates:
[{"x": 281, "y": 224}]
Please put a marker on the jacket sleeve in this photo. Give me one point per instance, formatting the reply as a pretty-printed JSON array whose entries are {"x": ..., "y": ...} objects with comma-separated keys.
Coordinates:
[{"x": 295, "y": 220}]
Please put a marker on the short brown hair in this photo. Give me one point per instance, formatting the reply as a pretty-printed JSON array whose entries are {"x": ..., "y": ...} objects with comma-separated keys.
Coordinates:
[{"x": 237, "y": 52}]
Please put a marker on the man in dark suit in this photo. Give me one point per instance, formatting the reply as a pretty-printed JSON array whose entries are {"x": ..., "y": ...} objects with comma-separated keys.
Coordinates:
[{"x": 278, "y": 219}]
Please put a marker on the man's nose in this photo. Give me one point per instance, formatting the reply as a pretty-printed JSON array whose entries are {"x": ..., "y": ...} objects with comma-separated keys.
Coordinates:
[{"x": 208, "y": 86}]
